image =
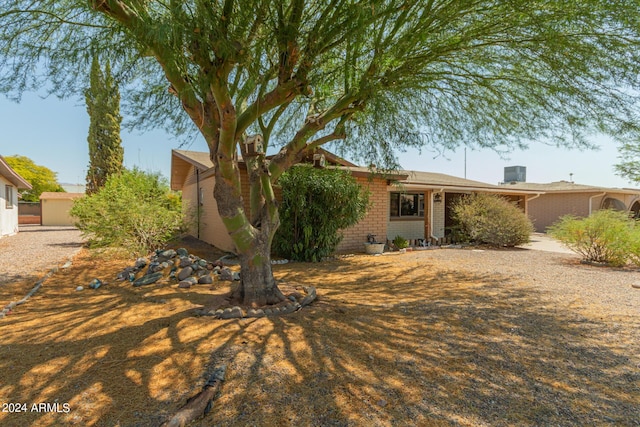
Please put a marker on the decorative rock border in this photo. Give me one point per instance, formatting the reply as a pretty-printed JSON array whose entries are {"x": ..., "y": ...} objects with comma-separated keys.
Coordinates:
[
  {"x": 285, "y": 307},
  {"x": 36, "y": 287}
]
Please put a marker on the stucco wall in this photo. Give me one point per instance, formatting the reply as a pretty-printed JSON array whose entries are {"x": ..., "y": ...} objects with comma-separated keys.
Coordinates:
[
  {"x": 548, "y": 208},
  {"x": 211, "y": 228},
  {"x": 56, "y": 212},
  {"x": 8, "y": 217}
]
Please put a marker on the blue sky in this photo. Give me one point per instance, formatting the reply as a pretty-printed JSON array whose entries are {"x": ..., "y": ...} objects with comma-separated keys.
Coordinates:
[{"x": 53, "y": 133}]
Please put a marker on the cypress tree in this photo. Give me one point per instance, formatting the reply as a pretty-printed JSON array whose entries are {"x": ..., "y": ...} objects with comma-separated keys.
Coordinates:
[{"x": 103, "y": 105}]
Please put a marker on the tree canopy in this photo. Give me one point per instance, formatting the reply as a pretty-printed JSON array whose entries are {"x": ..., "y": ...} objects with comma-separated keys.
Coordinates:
[
  {"x": 41, "y": 178},
  {"x": 103, "y": 105},
  {"x": 368, "y": 76}
]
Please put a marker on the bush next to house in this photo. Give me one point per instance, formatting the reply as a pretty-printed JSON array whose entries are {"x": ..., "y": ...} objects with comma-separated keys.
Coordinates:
[
  {"x": 134, "y": 210},
  {"x": 492, "y": 220},
  {"x": 606, "y": 236},
  {"x": 316, "y": 205},
  {"x": 400, "y": 242}
]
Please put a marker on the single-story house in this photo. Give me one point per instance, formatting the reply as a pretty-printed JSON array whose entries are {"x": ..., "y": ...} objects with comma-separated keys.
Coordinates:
[
  {"x": 561, "y": 198},
  {"x": 10, "y": 183},
  {"x": 55, "y": 207},
  {"x": 414, "y": 205}
]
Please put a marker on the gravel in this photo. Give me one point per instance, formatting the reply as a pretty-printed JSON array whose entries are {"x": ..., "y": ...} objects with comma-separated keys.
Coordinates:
[
  {"x": 36, "y": 249},
  {"x": 559, "y": 276}
]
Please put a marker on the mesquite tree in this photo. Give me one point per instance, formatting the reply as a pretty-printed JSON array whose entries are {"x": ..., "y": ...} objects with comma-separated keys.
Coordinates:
[
  {"x": 105, "y": 145},
  {"x": 368, "y": 76}
]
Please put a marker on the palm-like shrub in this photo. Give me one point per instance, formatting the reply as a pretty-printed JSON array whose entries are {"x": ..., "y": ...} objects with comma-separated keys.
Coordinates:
[{"x": 492, "y": 220}]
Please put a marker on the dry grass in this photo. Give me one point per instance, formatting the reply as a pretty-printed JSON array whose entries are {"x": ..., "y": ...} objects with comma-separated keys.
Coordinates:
[{"x": 392, "y": 340}]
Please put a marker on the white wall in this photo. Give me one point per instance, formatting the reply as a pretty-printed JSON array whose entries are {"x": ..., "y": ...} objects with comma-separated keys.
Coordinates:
[
  {"x": 8, "y": 217},
  {"x": 406, "y": 228}
]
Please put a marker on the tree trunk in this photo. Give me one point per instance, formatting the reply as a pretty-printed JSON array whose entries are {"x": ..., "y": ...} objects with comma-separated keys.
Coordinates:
[
  {"x": 252, "y": 241},
  {"x": 257, "y": 286}
]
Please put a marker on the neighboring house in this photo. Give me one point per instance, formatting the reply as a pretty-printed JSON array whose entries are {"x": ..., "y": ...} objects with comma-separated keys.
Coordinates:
[
  {"x": 567, "y": 198},
  {"x": 415, "y": 205},
  {"x": 10, "y": 183},
  {"x": 55, "y": 207}
]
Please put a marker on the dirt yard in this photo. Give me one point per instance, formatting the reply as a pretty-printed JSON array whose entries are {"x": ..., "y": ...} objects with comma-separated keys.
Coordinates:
[{"x": 414, "y": 339}]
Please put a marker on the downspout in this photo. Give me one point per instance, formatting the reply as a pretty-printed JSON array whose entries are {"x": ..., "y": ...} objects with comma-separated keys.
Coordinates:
[
  {"x": 198, "y": 201},
  {"x": 591, "y": 200}
]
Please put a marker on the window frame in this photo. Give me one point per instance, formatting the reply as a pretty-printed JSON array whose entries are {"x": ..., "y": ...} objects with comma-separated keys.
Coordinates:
[
  {"x": 418, "y": 199},
  {"x": 8, "y": 194}
]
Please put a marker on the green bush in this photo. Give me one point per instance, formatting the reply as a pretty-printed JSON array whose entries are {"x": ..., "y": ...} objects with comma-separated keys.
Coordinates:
[
  {"x": 134, "y": 210},
  {"x": 316, "y": 205},
  {"x": 606, "y": 236},
  {"x": 492, "y": 220},
  {"x": 400, "y": 242}
]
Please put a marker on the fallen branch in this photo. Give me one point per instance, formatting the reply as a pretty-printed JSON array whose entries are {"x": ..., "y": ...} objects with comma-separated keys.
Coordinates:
[{"x": 200, "y": 404}]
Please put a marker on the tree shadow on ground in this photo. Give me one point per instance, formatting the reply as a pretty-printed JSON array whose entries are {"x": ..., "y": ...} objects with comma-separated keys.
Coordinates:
[{"x": 385, "y": 344}]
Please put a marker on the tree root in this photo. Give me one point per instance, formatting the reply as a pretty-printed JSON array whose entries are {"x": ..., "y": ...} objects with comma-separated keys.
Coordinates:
[
  {"x": 200, "y": 404},
  {"x": 291, "y": 304}
]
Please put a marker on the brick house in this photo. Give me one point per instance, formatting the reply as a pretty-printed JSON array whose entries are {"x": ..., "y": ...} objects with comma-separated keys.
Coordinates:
[
  {"x": 561, "y": 198},
  {"x": 10, "y": 183},
  {"x": 414, "y": 205}
]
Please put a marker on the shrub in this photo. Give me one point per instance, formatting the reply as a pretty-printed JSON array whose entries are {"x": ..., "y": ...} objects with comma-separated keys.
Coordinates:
[
  {"x": 316, "y": 205},
  {"x": 606, "y": 236},
  {"x": 134, "y": 210},
  {"x": 400, "y": 242},
  {"x": 493, "y": 220}
]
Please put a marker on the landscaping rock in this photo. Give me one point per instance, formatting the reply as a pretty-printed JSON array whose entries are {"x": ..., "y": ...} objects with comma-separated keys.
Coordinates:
[
  {"x": 95, "y": 284},
  {"x": 184, "y": 273},
  {"x": 168, "y": 254},
  {"x": 79, "y": 288},
  {"x": 185, "y": 284},
  {"x": 140, "y": 263},
  {"x": 231, "y": 313},
  {"x": 226, "y": 274},
  {"x": 205, "y": 280},
  {"x": 148, "y": 279},
  {"x": 184, "y": 262},
  {"x": 126, "y": 273},
  {"x": 182, "y": 252}
]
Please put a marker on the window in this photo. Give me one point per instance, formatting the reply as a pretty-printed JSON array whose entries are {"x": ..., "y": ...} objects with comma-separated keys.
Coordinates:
[
  {"x": 8, "y": 194},
  {"x": 406, "y": 205}
]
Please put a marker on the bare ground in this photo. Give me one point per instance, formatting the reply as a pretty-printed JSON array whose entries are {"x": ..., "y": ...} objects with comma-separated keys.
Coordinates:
[{"x": 432, "y": 338}]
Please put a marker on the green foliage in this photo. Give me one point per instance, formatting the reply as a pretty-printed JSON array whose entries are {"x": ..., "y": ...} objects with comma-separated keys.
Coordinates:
[
  {"x": 103, "y": 105},
  {"x": 316, "y": 205},
  {"x": 606, "y": 236},
  {"x": 41, "y": 178},
  {"x": 492, "y": 220},
  {"x": 400, "y": 242},
  {"x": 134, "y": 210}
]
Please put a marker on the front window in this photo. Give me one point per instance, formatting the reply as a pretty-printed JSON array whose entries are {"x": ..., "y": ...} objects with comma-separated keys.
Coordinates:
[
  {"x": 8, "y": 194},
  {"x": 405, "y": 205}
]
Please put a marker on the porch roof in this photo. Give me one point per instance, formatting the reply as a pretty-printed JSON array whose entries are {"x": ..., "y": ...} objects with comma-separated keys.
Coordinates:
[
  {"x": 417, "y": 180},
  {"x": 568, "y": 187}
]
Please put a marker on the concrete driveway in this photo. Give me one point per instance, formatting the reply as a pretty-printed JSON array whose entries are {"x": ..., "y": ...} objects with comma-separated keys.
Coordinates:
[
  {"x": 544, "y": 242},
  {"x": 35, "y": 250}
]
